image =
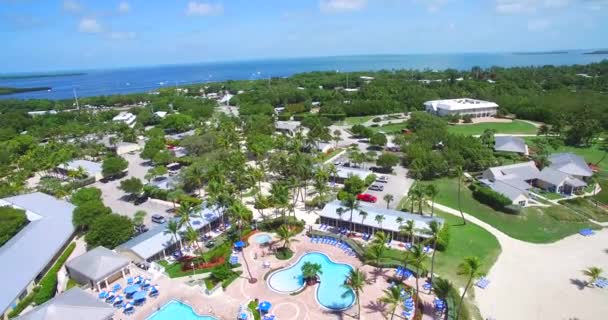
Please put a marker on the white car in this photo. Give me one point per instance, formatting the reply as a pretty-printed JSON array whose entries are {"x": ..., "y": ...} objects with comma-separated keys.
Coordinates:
[{"x": 383, "y": 179}]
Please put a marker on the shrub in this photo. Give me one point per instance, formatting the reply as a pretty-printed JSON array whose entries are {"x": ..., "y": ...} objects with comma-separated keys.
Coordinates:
[
  {"x": 47, "y": 287},
  {"x": 24, "y": 303},
  {"x": 490, "y": 197},
  {"x": 371, "y": 178},
  {"x": 155, "y": 192},
  {"x": 512, "y": 209},
  {"x": 11, "y": 221},
  {"x": 443, "y": 238},
  {"x": 284, "y": 253},
  {"x": 377, "y": 119},
  {"x": 467, "y": 118}
]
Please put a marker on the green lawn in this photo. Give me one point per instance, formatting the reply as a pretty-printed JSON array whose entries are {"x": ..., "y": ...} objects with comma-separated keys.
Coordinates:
[
  {"x": 514, "y": 127},
  {"x": 537, "y": 225},
  {"x": 351, "y": 121},
  {"x": 465, "y": 240},
  {"x": 588, "y": 208},
  {"x": 390, "y": 128}
]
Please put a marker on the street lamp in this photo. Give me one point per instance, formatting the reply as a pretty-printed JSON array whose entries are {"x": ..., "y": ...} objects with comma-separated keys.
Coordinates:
[{"x": 192, "y": 265}]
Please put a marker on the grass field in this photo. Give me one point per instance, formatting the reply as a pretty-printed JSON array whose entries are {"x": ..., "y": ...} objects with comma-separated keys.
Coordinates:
[
  {"x": 390, "y": 128},
  {"x": 588, "y": 208},
  {"x": 515, "y": 127},
  {"x": 351, "y": 121},
  {"x": 537, "y": 225}
]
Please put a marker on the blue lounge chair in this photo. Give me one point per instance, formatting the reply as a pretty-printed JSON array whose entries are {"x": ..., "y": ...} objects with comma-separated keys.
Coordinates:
[
  {"x": 586, "y": 232},
  {"x": 482, "y": 283},
  {"x": 601, "y": 283}
]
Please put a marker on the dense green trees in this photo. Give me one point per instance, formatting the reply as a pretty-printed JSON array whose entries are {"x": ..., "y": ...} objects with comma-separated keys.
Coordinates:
[
  {"x": 85, "y": 194},
  {"x": 11, "y": 221},
  {"x": 86, "y": 213},
  {"x": 133, "y": 186},
  {"x": 387, "y": 161},
  {"x": 113, "y": 166},
  {"x": 109, "y": 231}
]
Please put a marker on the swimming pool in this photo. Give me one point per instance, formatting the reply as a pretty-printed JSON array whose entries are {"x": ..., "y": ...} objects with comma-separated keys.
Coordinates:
[
  {"x": 262, "y": 238},
  {"x": 177, "y": 310},
  {"x": 330, "y": 292}
]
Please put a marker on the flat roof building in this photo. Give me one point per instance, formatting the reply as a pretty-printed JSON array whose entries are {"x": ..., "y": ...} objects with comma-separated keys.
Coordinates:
[
  {"x": 91, "y": 168},
  {"x": 30, "y": 253},
  {"x": 125, "y": 117},
  {"x": 464, "y": 106}
]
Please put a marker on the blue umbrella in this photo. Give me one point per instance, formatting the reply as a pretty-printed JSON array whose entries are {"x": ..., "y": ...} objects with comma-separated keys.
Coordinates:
[
  {"x": 103, "y": 294},
  {"x": 117, "y": 286},
  {"x": 239, "y": 244},
  {"x": 243, "y": 316},
  {"x": 139, "y": 295},
  {"x": 264, "y": 306},
  {"x": 132, "y": 289}
]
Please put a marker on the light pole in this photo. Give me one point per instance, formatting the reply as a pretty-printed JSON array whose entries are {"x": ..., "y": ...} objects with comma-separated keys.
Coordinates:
[{"x": 192, "y": 265}]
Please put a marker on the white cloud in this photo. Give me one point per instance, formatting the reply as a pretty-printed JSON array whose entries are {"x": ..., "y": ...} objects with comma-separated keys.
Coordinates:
[
  {"x": 538, "y": 25},
  {"x": 203, "y": 9},
  {"x": 122, "y": 35},
  {"x": 124, "y": 7},
  {"x": 72, "y": 6},
  {"x": 335, "y": 6},
  {"x": 432, "y": 5},
  {"x": 89, "y": 25},
  {"x": 516, "y": 6}
]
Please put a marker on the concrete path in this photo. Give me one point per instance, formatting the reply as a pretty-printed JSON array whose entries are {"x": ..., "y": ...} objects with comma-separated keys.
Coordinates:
[{"x": 542, "y": 281}]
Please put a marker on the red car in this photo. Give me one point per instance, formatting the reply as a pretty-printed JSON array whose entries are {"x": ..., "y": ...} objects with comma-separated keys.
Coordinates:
[{"x": 367, "y": 197}]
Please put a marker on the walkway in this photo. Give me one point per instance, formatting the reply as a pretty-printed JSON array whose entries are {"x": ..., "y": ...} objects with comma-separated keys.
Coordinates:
[{"x": 542, "y": 281}]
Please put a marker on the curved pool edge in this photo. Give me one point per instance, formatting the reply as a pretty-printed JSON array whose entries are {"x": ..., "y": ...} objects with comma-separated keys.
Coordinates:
[
  {"x": 184, "y": 303},
  {"x": 317, "y": 285}
]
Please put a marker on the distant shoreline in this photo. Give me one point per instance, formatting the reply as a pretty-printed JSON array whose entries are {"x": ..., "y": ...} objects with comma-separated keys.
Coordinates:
[
  {"x": 8, "y": 90},
  {"x": 605, "y": 51},
  {"x": 41, "y": 75},
  {"x": 540, "y": 53}
]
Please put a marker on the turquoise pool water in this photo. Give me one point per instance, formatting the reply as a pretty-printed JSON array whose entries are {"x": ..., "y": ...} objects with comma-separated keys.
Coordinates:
[
  {"x": 330, "y": 292},
  {"x": 177, "y": 310},
  {"x": 262, "y": 238}
]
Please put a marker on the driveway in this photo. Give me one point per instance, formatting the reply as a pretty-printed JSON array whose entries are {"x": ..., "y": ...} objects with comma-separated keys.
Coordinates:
[{"x": 398, "y": 185}]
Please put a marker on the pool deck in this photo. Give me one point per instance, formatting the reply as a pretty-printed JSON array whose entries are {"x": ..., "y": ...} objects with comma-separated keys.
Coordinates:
[{"x": 302, "y": 306}]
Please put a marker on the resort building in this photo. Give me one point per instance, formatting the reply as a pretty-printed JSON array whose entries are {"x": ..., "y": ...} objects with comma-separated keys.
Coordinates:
[
  {"x": 90, "y": 168},
  {"x": 27, "y": 256},
  {"x": 180, "y": 136},
  {"x": 390, "y": 224},
  {"x": 571, "y": 164},
  {"x": 74, "y": 304},
  {"x": 343, "y": 173},
  {"x": 510, "y": 144},
  {"x": 98, "y": 268},
  {"x": 41, "y": 113},
  {"x": 160, "y": 114},
  {"x": 158, "y": 243},
  {"x": 464, "y": 106},
  {"x": 125, "y": 117},
  {"x": 287, "y": 127}
]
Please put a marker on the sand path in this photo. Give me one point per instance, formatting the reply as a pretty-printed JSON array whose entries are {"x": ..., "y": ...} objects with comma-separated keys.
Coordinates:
[{"x": 543, "y": 281}]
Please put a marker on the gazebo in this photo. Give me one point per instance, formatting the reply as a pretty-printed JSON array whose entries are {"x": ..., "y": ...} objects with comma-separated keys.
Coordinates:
[{"x": 100, "y": 266}]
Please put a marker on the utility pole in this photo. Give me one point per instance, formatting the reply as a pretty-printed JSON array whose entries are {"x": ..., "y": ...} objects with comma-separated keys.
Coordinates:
[{"x": 76, "y": 99}]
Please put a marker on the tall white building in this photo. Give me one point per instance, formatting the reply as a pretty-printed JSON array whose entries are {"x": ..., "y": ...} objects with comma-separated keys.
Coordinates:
[
  {"x": 126, "y": 117},
  {"x": 464, "y": 106}
]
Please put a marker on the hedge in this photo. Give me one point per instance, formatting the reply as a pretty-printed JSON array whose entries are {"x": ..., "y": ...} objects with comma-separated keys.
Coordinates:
[
  {"x": 48, "y": 284},
  {"x": 24, "y": 303},
  {"x": 490, "y": 197}
]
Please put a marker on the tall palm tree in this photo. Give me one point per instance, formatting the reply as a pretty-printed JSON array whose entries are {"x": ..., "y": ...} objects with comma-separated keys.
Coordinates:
[
  {"x": 239, "y": 213},
  {"x": 470, "y": 267},
  {"x": 310, "y": 272},
  {"x": 433, "y": 233},
  {"x": 593, "y": 273},
  {"x": 356, "y": 281},
  {"x": 337, "y": 136},
  {"x": 363, "y": 215},
  {"x": 379, "y": 219},
  {"x": 392, "y": 297},
  {"x": 191, "y": 237},
  {"x": 408, "y": 229},
  {"x": 380, "y": 238},
  {"x": 432, "y": 191},
  {"x": 459, "y": 175},
  {"x": 339, "y": 212},
  {"x": 375, "y": 252},
  {"x": 185, "y": 213},
  {"x": 285, "y": 235},
  {"x": 351, "y": 202},
  {"x": 173, "y": 230},
  {"x": 388, "y": 198},
  {"x": 418, "y": 258}
]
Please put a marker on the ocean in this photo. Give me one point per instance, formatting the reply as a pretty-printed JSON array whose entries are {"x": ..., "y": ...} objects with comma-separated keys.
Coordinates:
[{"x": 143, "y": 79}]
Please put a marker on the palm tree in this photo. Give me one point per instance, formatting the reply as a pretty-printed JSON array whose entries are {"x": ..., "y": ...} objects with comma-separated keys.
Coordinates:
[
  {"x": 240, "y": 213},
  {"x": 173, "y": 229},
  {"x": 459, "y": 175},
  {"x": 388, "y": 198},
  {"x": 363, "y": 215},
  {"x": 442, "y": 289},
  {"x": 433, "y": 233},
  {"x": 380, "y": 238},
  {"x": 418, "y": 258},
  {"x": 408, "y": 229},
  {"x": 375, "y": 252},
  {"x": 355, "y": 281},
  {"x": 392, "y": 297},
  {"x": 351, "y": 202},
  {"x": 593, "y": 273},
  {"x": 339, "y": 212},
  {"x": 470, "y": 267},
  {"x": 379, "y": 218},
  {"x": 191, "y": 237},
  {"x": 279, "y": 194},
  {"x": 310, "y": 272},
  {"x": 432, "y": 191},
  {"x": 185, "y": 212},
  {"x": 285, "y": 235},
  {"x": 337, "y": 136},
  {"x": 174, "y": 196}
]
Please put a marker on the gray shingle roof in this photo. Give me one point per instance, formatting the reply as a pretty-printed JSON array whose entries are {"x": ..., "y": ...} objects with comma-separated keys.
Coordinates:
[
  {"x": 390, "y": 216},
  {"x": 25, "y": 255},
  {"x": 571, "y": 164},
  {"x": 150, "y": 243},
  {"x": 552, "y": 176},
  {"x": 74, "y": 304},
  {"x": 522, "y": 171},
  {"x": 507, "y": 190},
  {"x": 98, "y": 263},
  {"x": 509, "y": 144}
]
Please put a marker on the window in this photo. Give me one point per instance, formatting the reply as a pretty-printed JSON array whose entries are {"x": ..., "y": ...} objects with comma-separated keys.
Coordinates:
[{"x": 522, "y": 203}]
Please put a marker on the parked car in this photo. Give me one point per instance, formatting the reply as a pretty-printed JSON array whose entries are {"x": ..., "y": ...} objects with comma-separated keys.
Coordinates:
[
  {"x": 376, "y": 187},
  {"x": 157, "y": 218},
  {"x": 140, "y": 200},
  {"x": 141, "y": 228},
  {"x": 383, "y": 179},
  {"x": 367, "y": 197}
]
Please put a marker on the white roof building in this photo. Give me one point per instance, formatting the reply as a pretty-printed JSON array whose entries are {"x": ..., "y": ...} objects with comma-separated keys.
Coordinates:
[
  {"x": 463, "y": 106},
  {"x": 125, "y": 117},
  {"x": 92, "y": 169},
  {"x": 161, "y": 114}
]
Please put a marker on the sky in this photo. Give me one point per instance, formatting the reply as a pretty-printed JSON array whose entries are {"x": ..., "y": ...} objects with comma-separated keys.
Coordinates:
[{"x": 42, "y": 35}]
